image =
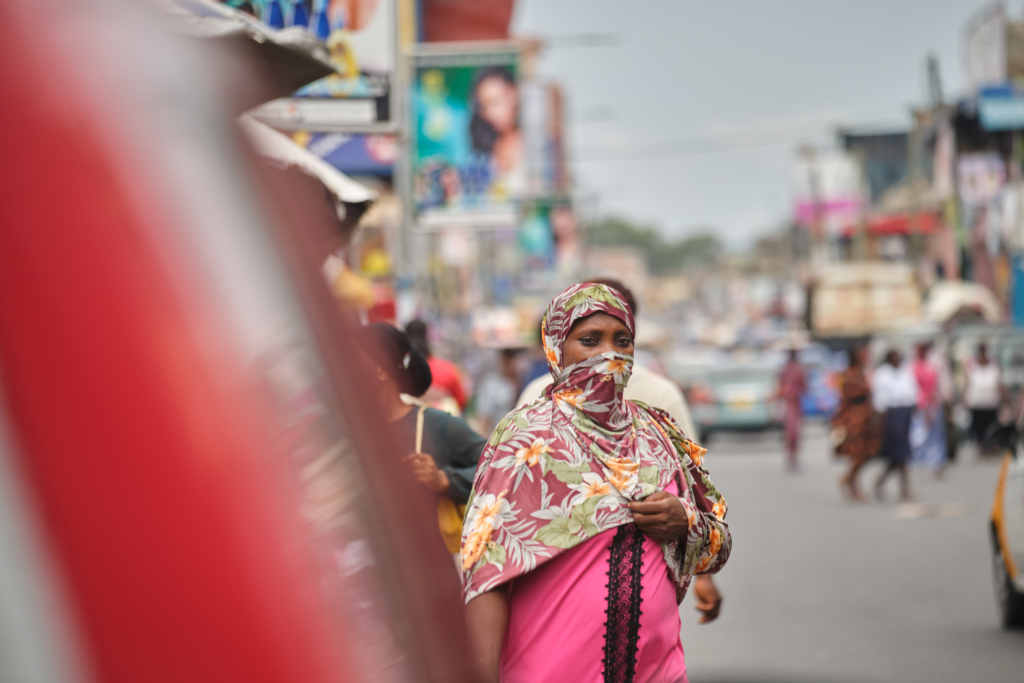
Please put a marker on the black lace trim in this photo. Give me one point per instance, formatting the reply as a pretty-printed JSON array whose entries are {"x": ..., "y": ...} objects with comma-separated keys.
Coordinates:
[{"x": 622, "y": 629}]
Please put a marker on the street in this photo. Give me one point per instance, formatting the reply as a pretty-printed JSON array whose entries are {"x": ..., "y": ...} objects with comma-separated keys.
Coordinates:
[{"x": 822, "y": 590}]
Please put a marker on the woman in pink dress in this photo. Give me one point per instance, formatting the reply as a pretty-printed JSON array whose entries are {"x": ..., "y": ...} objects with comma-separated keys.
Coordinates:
[
  {"x": 930, "y": 451},
  {"x": 792, "y": 387},
  {"x": 589, "y": 516}
]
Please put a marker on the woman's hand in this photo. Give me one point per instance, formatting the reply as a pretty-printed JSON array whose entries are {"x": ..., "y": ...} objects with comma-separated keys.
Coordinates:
[
  {"x": 661, "y": 516},
  {"x": 709, "y": 600},
  {"x": 426, "y": 472}
]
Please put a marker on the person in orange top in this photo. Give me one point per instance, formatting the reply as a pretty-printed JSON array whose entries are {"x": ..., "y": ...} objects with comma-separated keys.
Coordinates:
[{"x": 447, "y": 376}]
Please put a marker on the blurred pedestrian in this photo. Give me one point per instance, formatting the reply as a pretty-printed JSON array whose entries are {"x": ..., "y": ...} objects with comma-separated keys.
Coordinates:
[
  {"x": 658, "y": 392},
  {"x": 448, "y": 379},
  {"x": 984, "y": 396},
  {"x": 854, "y": 425},
  {"x": 928, "y": 422},
  {"x": 591, "y": 507},
  {"x": 792, "y": 387},
  {"x": 894, "y": 393},
  {"x": 442, "y": 451}
]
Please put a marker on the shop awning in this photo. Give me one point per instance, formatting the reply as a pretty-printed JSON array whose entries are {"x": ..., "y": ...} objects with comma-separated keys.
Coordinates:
[
  {"x": 282, "y": 150},
  {"x": 950, "y": 297},
  {"x": 293, "y": 56},
  {"x": 897, "y": 224}
]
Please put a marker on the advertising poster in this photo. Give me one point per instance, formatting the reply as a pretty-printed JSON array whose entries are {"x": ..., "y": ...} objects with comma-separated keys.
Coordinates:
[
  {"x": 828, "y": 191},
  {"x": 545, "y": 146},
  {"x": 468, "y": 158},
  {"x": 537, "y": 239},
  {"x": 361, "y": 40},
  {"x": 358, "y": 154},
  {"x": 549, "y": 238},
  {"x": 980, "y": 177}
]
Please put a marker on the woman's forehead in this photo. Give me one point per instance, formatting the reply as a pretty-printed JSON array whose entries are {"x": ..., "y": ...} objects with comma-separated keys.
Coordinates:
[{"x": 599, "y": 319}]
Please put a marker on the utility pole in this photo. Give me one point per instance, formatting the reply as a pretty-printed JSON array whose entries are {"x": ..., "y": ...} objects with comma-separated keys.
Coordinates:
[{"x": 934, "y": 83}]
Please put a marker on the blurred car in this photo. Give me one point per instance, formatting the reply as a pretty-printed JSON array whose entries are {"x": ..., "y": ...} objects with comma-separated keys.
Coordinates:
[
  {"x": 687, "y": 365},
  {"x": 736, "y": 398},
  {"x": 1007, "y": 536}
]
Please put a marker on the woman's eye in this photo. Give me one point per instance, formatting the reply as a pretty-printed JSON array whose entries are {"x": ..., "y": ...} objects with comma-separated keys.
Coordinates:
[
  {"x": 623, "y": 341},
  {"x": 588, "y": 341}
]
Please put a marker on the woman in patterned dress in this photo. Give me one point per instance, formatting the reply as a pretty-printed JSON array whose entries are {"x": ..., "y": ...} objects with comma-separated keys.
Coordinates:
[
  {"x": 855, "y": 422},
  {"x": 589, "y": 516}
]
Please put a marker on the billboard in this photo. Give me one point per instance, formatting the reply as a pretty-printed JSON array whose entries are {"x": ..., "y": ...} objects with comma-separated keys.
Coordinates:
[
  {"x": 468, "y": 152},
  {"x": 549, "y": 238},
  {"x": 543, "y": 128},
  {"x": 827, "y": 188},
  {"x": 980, "y": 177},
  {"x": 359, "y": 154},
  {"x": 1001, "y": 108}
]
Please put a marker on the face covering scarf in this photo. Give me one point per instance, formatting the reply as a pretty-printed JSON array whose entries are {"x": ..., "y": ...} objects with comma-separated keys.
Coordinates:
[{"x": 562, "y": 469}]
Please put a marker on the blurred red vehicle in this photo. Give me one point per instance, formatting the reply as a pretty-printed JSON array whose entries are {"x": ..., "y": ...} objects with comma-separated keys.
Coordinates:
[{"x": 193, "y": 482}]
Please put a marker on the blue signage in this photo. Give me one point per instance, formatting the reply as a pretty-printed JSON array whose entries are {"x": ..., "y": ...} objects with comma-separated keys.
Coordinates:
[{"x": 1001, "y": 108}]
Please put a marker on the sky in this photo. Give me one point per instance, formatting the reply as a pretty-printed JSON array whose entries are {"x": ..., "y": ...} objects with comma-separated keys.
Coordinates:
[{"x": 689, "y": 121}]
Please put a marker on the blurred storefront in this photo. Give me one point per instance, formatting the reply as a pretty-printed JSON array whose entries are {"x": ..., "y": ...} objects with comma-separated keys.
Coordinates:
[
  {"x": 439, "y": 110},
  {"x": 946, "y": 195}
]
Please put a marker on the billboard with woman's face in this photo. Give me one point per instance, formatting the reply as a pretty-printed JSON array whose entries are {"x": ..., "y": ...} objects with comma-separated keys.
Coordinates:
[{"x": 467, "y": 139}]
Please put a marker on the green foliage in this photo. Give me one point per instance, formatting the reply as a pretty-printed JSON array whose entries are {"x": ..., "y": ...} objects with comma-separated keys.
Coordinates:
[
  {"x": 502, "y": 432},
  {"x": 663, "y": 256},
  {"x": 583, "y": 423},
  {"x": 649, "y": 479},
  {"x": 563, "y": 532},
  {"x": 495, "y": 553},
  {"x": 598, "y": 292},
  {"x": 557, "y": 535},
  {"x": 649, "y": 474},
  {"x": 564, "y": 472}
]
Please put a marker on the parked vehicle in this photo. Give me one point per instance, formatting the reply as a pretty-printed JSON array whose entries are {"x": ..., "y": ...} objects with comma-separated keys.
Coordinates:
[
  {"x": 736, "y": 398},
  {"x": 1007, "y": 536},
  {"x": 689, "y": 365}
]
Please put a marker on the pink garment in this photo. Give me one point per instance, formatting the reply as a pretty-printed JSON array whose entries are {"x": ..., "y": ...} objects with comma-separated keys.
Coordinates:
[
  {"x": 928, "y": 383},
  {"x": 792, "y": 383},
  {"x": 792, "y": 386},
  {"x": 556, "y": 630}
]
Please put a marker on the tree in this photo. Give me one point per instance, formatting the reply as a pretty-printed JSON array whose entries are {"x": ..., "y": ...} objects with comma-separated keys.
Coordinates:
[{"x": 663, "y": 256}]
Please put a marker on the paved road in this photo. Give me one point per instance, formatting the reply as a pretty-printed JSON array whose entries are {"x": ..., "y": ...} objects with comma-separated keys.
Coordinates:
[{"x": 821, "y": 590}]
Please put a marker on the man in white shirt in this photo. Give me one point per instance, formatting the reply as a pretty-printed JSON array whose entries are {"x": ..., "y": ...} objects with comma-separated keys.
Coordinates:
[{"x": 658, "y": 392}]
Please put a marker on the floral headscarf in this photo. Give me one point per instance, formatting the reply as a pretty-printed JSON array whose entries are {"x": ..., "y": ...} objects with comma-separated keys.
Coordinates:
[{"x": 563, "y": 469}]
